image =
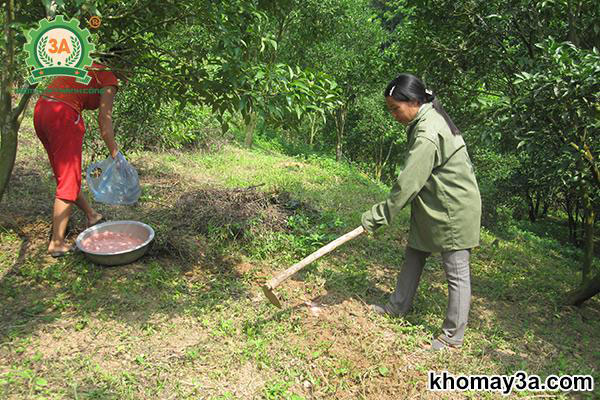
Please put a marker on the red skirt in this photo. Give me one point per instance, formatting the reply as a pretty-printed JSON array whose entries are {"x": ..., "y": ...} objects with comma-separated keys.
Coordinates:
[{"x": 61, "y": 130}]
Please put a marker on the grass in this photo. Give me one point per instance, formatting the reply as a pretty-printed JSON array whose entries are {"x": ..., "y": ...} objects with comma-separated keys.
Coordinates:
[{"x": 189, "y": 320}]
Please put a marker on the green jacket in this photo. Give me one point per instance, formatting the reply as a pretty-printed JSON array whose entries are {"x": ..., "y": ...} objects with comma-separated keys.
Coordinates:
[{"x": 439, "y": 182}]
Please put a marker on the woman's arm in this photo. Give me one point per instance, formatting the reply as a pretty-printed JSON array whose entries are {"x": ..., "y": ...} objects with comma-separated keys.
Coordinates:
[{"x": 107, "y": 98}]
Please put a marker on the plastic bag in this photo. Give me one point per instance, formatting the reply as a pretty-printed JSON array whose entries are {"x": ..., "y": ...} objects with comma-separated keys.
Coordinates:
[{"x": 118, "y": 182}]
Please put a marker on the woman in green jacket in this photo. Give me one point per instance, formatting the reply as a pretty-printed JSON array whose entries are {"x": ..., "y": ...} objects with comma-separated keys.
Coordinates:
[{"x": 439, "y": 183}]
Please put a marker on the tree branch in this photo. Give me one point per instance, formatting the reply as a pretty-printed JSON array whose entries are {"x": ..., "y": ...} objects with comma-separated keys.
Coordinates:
[
  {"x": 586, "y": 154},
  {"x": 146, "y": 28},
  {"x": 527, "y": 43},
  {"x": 8, "y": 72},
  {"x": 126, "y": 13},
  {"x": 17, "y": 113},
  {"x": 501, "y": 45}
]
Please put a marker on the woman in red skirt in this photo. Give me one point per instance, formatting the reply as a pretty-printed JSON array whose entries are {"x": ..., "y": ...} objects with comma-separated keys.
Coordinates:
[{"x": 59, "y": 125}]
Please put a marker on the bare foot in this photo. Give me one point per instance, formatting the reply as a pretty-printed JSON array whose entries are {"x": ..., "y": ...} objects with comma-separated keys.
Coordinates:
[
  {"x": 96, "y": 217},
  {"x": 56, "y": 248}
]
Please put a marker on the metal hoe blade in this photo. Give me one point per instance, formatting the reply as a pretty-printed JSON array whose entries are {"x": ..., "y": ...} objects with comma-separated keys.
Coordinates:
[{"x": 271, "y": 296}]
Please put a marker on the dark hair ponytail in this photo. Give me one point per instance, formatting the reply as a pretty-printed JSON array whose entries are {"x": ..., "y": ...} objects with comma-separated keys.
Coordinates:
[{"x": 407, "y": 87}]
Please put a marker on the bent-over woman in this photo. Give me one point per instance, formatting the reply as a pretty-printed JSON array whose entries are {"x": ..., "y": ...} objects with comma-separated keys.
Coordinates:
[
  {"x": 59, "y": 126},
  {"x": 439, "y": 183}
]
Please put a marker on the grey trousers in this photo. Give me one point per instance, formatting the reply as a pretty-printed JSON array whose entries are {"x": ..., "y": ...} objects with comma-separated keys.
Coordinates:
[{"x": 456, "y": 265}]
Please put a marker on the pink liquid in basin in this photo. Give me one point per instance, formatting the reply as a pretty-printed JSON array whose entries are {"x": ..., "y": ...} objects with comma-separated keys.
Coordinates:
[{"x": 110, "y": 242}]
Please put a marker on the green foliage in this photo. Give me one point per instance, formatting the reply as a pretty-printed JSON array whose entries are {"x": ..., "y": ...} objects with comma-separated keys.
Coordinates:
[
  {"x": 375, "y": 139},
  {"x": 474, "y": 53},
  {"x": 561, "y": 99},
  {"x": 247, "y": 76},
  {"x": 496, "y": 178},
  {"x": 141, "y": 124}
]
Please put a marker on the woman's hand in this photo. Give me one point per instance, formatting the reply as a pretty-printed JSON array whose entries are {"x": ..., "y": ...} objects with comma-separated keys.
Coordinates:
[{"x": 367, "y": 222}]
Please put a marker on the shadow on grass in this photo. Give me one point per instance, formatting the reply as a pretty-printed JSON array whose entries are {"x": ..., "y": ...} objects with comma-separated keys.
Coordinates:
[
  {"x": 192, "y": 264},
  {"x": 36, "y": 292}
]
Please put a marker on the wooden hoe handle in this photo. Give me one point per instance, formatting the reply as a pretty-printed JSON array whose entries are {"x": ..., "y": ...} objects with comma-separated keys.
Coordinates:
[{"x": 278, "y": 279}]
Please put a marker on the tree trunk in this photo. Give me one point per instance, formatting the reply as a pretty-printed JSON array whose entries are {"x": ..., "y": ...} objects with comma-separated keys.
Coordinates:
[
  {"x": 8, "y": 153},
  {"x": 10, "y": 119},
  {"x": 11, "y": 122},
  {"x": 574, "y": 11},
  {"x": 382, "y": 162},
  {"x": 8, "y": 133},
  {"x": 576, "y": 217},
  {"x": 572, "y": 221},
  {"x": 589, "y": 218},
  {"x": 379, "y": 160},
  {"x": 250, "y": 126},
  {"x": 378, "y": 171},
  {"x": 589, "y": 287},
  {"x": 387, "y": 157},
  {"x": 578, "y": 296},
  {"x": 545, "y": 208},
  {"x": 313, "y": 129},
  {"x": 532, "y": 213},
  {"x": 340, "y": 123}
]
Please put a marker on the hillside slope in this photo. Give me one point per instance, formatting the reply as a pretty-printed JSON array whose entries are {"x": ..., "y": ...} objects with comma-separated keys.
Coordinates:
[{"x": 189, "y": 319}]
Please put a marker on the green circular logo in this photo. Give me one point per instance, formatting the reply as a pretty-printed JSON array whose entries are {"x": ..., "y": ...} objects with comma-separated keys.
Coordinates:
[{"x": 59, "y": 48}]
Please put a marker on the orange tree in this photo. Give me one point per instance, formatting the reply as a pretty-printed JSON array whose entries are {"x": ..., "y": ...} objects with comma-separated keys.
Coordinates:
[
  {"x": 562, "y": 100},
  {"x": 221, "y": 54}
]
